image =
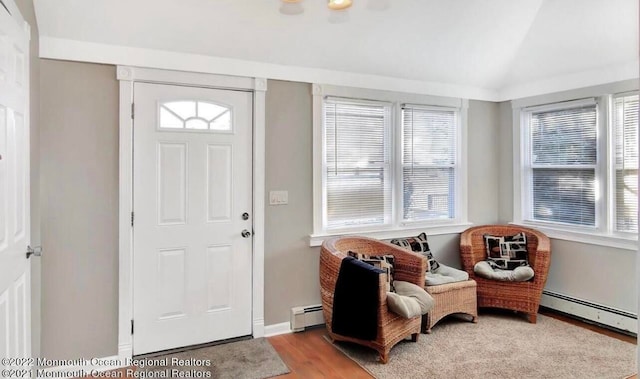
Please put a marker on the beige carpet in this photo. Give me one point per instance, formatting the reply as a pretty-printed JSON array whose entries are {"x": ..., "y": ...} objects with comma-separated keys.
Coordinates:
[
  {"x": 503, "y": 346},
  {"x": 249, "y": 359}
]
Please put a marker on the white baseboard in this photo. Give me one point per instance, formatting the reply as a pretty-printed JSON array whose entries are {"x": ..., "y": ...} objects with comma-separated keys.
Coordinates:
[
  {"x": 587, "y": 310},
  {"x": 125, "y": 351},
  {"x": 82, "y": 368},
  {"x": 277, "y": 329},
  {"x": 258, "y": 328}
]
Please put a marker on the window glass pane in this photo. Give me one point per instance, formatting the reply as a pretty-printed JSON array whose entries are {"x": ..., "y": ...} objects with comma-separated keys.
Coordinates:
[
  {"x": 564, "y": 196},
  {"x": 196, "y": 123},
  {"x": 428, "y": 193},
  {"x": 563, "y": 158},
  {"x": 429, "y": 136},
  {"x": 564, "y": 137},
  {"x": 209, "y": 111},
  {"x": 625, "y": 115},
  {"x": 358, "y": 187},
  {"x": 627, "y": 200},
  {"x": 429, "y": 157},
  {"x": 169, "y": 120},
  {"x": 183, "y": 109},
  {"x": 194, "y": 115},
  {"x": 222, "y": 121},
  {"x": 355, "y": 197}
]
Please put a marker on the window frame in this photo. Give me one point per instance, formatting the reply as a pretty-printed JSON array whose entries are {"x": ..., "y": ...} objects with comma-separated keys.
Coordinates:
[
  {"x": 528, "y": 166},
  {"x": 613, "y": 206},
  {"x": 400, "y": 165},
  {"x": 604, "y": 232},
  {"x": 397, "y": 228},
  {"x": 389, "y": 173}
]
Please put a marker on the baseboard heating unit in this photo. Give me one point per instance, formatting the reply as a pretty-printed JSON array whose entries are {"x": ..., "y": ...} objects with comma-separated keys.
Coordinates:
[
  {"x": 598, "y": 313},
  {"x": 305, "y": 317}
]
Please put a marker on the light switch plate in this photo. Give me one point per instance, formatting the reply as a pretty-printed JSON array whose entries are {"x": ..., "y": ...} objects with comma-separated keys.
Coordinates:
[{"x": 278, "y": 197}]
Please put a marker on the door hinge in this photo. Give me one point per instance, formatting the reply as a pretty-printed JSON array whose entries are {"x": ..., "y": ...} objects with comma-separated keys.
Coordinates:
[
  {"x": 131, "y": 326},
  {"x": 5, "y": 7},
  {"x": 131, "y": 218},
  {"x": 133, "y": 110}
]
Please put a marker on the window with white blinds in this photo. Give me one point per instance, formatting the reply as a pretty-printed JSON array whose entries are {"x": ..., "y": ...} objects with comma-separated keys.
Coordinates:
[
  {"x": 386, "y": 166},
  {"x": 625, "y": 120},
  {"x": 428, "y": 163},
  {"x": 357, "y": 168},
  {"x": 579, "y": 169},
  {"x": 563, "y": 148}
]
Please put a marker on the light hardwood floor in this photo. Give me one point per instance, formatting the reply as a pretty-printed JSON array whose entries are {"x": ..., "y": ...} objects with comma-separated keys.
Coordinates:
[{"x": 309, "y": 355}]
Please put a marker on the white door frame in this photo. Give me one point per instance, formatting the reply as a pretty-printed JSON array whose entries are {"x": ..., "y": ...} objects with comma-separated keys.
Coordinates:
[{"x": 127, "y": 76}]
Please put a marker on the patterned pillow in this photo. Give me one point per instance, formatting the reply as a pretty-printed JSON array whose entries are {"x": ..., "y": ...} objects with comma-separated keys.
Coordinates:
[
  {"x": 508, "y": 252},
  {"x": 419, "y": 244},
  {"x": 383, "y": 262}
]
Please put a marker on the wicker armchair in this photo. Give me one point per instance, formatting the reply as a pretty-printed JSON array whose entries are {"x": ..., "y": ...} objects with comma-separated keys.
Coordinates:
[
  {"x": 517, "y": 296},
  {"x": 408, "y": 266}
]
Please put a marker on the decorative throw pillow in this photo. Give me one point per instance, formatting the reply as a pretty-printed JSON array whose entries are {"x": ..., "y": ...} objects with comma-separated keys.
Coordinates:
[
  {"x": 508, "y": 252},
  {"x": 383, "y": 262},
  {"x": 518, "y": 274},
  {"x": 423, "y": 298},
  {"x": 418, "y": 244},
  {"x": 405, "y": 306}
]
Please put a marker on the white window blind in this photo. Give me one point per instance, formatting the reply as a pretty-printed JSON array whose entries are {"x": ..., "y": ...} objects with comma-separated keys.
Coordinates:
[
  {"x": 428, "y": 163},
  {"x": 356, "y": 163},
  {"x": 563, "y": 146},
  {"x": 625, "y": 118}
]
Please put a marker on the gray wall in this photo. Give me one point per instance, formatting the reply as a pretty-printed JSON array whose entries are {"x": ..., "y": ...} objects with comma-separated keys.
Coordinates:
[
  {"x": 599, "y": 274},
  {"x": 291, "y": 266},
  {"x": 28, "y": 12},
  {"x": 79, "y": 178},
  {"x": 483, "y": 162},
  {"x": 505, "y": 177}
]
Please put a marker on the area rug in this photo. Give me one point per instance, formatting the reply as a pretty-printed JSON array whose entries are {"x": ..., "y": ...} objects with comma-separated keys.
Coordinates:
[
  {"x": 502, "y": 346},
  {"x": 249, "y": 359}
]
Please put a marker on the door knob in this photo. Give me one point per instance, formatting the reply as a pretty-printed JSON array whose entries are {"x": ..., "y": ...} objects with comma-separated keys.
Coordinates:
[
  {"x": 37, "y": 251},
  {"x": 246, "y": 233},
  {"x": 245, "y": 216}
]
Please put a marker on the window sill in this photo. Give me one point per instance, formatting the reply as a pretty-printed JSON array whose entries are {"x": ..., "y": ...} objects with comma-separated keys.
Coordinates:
[
  {"x": 619, "y": 241},
  {"x": 317, "y": 239}
]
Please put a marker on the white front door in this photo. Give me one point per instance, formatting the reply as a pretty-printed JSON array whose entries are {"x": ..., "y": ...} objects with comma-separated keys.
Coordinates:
[
  {"x": 192, "y": 216},
  {"x": 15, "y": 297}
]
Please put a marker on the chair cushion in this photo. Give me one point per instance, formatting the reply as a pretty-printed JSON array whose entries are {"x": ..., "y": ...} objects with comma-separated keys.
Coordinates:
[
  {"x": 506, "y": 252},
  {"x": 418, "y": 244},
  {"x": 404, "y": 306},
  {"x": 425, "y": 301},
  {"x": 445, "y": 274},
  {"x": 409, "y": 300},
  {"x": 518, "y": 274},
  {"x": 383, "y": 262}
]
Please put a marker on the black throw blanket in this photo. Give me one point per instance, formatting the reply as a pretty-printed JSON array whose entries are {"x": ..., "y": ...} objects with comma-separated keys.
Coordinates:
[{"x": 355, "y": 301}]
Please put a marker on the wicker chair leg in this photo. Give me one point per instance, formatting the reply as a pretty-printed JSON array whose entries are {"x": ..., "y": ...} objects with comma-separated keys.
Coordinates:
[
  {"x": 414, "y": 337},
  {"x": 532, "y": 317},
  {"x": 384, "y": 356},
  {"x": 424, "y": 327}
]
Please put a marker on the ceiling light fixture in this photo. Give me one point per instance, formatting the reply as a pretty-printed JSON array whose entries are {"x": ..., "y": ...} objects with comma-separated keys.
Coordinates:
[
  {"x": 291, "y": 7},
  {"x": 338, "y": 5}
]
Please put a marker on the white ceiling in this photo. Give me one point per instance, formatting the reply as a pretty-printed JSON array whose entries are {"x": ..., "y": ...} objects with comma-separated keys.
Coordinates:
[{"x": 497, "y": 48}]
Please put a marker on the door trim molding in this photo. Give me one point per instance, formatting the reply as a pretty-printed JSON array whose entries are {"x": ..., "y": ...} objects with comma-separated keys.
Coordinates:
[{"x": 127, "y": 76}]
